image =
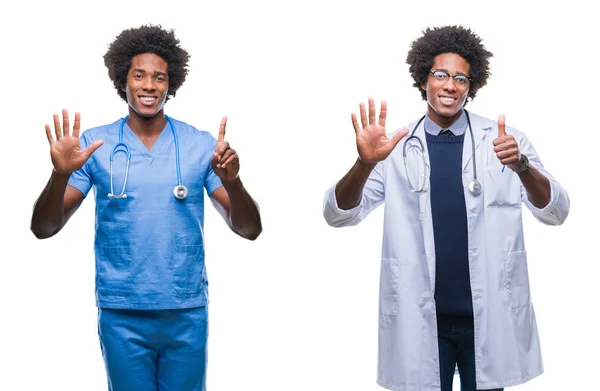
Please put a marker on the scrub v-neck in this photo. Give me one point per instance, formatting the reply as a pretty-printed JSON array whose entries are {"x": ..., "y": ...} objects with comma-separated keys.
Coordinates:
[{"x": 147, "y": 154}]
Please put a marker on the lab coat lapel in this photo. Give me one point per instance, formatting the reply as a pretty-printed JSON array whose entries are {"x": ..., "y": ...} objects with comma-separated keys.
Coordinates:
[
  {"x": 425, "y": 211},
  {"x": 424, "y": 196},
  {"x": 478, "y": 135}
]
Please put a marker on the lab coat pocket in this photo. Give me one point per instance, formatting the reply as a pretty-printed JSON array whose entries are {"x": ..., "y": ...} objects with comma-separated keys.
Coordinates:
[
  {"x": 113, "y": 273},
  {"x": 517, "y": 279},
  {"x": 188, "y": 269},
  {"x": 502, "y": 188},
  {"x": 388, "y": 288}
]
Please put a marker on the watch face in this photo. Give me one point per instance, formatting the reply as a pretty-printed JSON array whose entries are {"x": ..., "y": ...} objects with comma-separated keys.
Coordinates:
[{"x": 525, "y": 165}]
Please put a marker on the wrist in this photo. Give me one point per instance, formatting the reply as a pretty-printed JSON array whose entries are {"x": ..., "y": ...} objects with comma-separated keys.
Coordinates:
[
  {"x": 523, "y": 165},
  {"x": 63, "y": 175},
  {"x": 362, "y": 164},
  {"x": 231, "y": 181}
]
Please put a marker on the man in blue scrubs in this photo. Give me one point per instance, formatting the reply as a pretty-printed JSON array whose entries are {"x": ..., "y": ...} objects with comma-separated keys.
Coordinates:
[{"x": 148, "y": 172}]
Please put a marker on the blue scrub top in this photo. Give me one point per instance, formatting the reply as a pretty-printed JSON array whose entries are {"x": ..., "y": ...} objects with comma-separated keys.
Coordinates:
[{"x": 149, "y": 246}]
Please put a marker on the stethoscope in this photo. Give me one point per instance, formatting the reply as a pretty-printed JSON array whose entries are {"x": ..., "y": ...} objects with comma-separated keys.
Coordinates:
[
  {"x": 474, "y": 186},
  {"x": 179, "y": 191}
]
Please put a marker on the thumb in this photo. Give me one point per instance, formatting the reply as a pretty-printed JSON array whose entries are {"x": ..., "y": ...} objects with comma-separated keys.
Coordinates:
[
  {"x": 501, "y": 126},
  {"x": 92, "y": 148},
  {"x": 398, "y": 136}
]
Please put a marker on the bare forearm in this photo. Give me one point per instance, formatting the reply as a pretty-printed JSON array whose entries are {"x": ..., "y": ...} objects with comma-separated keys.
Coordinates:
[
  {"x": 537, "y": 186},
  {"x": 244, "y": 216},
  {"x": 48, "y": 212},
  {"x": 349, "y": 189}
]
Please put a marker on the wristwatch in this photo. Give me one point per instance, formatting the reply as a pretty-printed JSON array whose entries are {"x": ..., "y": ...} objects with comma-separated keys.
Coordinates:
[{"x": 524, "y": 164}]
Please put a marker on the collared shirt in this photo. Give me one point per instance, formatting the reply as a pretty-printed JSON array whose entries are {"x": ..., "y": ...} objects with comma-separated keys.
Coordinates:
[{"x": 457, "y": 128}]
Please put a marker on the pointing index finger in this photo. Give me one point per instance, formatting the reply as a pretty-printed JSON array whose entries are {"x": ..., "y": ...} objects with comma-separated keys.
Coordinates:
[
  {"x": 501, "y": 126},
  {"x": 222, "y": 130}
]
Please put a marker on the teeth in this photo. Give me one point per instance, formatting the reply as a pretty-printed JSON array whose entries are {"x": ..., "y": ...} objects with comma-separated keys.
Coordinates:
[{"x": 147, "y": 98}]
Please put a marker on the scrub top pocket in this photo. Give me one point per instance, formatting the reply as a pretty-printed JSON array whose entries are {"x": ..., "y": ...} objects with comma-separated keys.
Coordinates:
[
  {"x": 187, "y": 267},
  {"x": 113, "y": 272},
  {"x": 193, "y": 178}
]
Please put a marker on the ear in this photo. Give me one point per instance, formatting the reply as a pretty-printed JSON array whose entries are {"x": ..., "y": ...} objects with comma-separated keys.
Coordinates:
[{"x": 423, "y": 87}]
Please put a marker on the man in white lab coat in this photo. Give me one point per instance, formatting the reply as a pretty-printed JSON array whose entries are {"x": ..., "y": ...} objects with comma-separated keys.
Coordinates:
[{"x": 454, "y": 289}]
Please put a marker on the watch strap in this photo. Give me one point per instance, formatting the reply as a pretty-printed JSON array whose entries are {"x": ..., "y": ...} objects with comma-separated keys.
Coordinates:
[{"x": 524, "y": 164}]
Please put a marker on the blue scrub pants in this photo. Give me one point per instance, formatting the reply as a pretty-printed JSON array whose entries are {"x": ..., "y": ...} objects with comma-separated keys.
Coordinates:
[{"x": 147, "y": 350}]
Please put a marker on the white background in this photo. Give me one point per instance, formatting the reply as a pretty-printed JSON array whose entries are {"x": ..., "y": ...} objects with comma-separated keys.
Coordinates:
[{"x": 297, "y": 309}]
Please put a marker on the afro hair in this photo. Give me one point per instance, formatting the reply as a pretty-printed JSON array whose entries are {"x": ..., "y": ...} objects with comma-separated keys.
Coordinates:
[
  {"x": 146, "y": 39},
  {"x": 449, "y": 39}
]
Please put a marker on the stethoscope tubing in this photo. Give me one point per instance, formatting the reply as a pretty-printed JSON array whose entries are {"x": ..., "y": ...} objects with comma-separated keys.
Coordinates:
[
  {"x": 180, "y": 191},
  {"x": 474, "y": 186}
]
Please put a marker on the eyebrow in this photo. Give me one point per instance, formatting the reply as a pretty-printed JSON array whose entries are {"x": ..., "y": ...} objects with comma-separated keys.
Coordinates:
[
  {"x": 144, "y": 71},
  {"x": 445, "y": 70}
]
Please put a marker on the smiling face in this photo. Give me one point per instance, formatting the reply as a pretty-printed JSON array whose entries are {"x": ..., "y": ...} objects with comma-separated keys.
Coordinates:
[
  {"x": 446, "y": 98},
  {"x": 147, "y": 84}
]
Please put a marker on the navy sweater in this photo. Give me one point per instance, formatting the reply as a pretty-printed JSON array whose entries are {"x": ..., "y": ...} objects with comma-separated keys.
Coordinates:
[{"x": 452, "y": 285}]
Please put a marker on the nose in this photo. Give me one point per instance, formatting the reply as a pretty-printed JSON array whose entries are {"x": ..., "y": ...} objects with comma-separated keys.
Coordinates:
[
  {"x": 449, "y": 85},
  {"x": 149, "y": 83}
]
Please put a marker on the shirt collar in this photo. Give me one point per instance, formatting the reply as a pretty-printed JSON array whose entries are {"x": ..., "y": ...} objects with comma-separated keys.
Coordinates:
[{"x": 457, "y": 128}]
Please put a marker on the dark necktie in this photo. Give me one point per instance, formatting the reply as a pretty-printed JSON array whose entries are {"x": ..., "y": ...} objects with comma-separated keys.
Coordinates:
[{"x": 446, "y": 132}]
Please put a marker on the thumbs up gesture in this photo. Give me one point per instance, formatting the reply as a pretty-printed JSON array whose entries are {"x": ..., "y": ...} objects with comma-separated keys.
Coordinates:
[{"x": 506, "y": 147}]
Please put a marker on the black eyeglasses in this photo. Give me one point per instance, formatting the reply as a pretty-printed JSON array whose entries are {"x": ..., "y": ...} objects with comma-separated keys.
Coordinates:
[{"x": 442, "y": 77}]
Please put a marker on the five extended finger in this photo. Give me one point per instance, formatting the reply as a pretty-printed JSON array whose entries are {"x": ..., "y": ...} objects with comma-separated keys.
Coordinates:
[
  {"x": 383, "y": 113},
  {"x": 371, "y": 111},
  {"x": 66, "y": 125},
  {"x": 355, "y": 123},
  {"x": 398, "y": 136},
  {"x": 363, "y": 115},
  {"x": 92, "y": 148},
  {"x": 77, "y": 124},
  {"x": 57, "y": 129},
  {"x": 49, "y": 135}
]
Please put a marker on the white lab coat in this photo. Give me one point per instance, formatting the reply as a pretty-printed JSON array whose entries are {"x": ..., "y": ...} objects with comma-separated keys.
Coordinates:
[{"x": 507, "y": 349}]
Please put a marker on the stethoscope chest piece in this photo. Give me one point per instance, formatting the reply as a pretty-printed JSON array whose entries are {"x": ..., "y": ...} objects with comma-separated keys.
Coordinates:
[
  {"x": 475, "y": 187},
  {"x": 180, "y": 192}
]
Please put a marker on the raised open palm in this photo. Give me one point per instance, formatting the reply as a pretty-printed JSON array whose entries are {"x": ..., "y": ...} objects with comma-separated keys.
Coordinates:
[
  {"x": 371, "y": 140},
  {"x": 65, "y": 152}
]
